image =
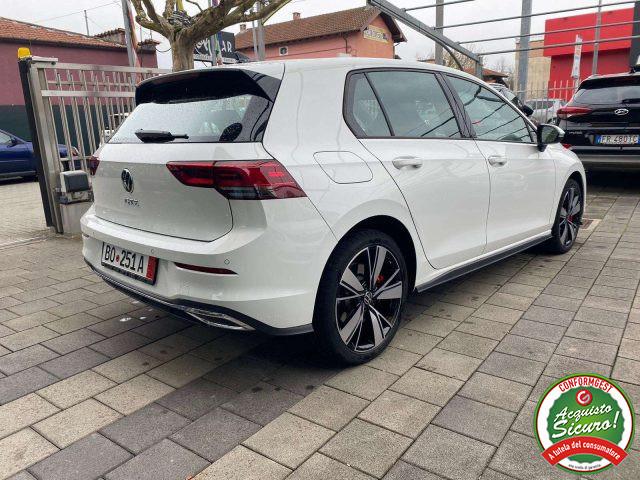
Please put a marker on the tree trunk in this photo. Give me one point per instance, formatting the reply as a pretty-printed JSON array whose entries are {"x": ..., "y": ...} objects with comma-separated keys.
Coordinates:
[{"x": 182, "y": 54}]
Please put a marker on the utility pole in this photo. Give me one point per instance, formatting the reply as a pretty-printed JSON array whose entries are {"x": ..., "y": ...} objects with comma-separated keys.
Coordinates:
[
  {"x": 523, "y": 63},
  {"x": 596, "y": 46},
  {"x": 260, "y": 34},
  {"x": 439, "y": 23},
  {"x": 127, "y": 33},
  {"x": 86, "y": 22}
]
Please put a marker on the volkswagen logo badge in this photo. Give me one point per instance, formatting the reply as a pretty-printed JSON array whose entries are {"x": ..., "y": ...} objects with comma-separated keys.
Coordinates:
[
  {"x": 621, "y": 111},
  {"x": 127, "y": 180}
]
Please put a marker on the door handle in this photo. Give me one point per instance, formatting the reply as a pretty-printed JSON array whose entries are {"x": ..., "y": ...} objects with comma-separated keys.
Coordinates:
[
  {"x": 497, "y": 160},
  {"x": 402, "y": 162}
]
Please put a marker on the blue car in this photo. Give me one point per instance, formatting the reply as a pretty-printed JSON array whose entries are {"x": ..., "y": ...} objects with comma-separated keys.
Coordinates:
[{"x": 17, "y": 158}]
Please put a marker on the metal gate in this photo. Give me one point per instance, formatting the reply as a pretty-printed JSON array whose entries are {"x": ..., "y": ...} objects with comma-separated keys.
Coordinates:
[{"x": 72, "y": 109}]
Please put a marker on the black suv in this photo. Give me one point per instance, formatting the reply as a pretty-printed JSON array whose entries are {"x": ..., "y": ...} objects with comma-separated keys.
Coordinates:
[{"x": 602, "y": 121}]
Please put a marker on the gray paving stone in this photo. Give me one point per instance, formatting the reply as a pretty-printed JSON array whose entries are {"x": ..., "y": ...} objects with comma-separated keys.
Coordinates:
[
  {"x": 163, "y": 461},
  {"x": 509, "y": 300},
  {"x": 120, "y": 344},
  {"x": 262, "y": 403},
  {"x": 399, "y": 413},
  {"x": 321, "y": 467},
  {"x": 597, "y": 333},
  {"x": 562, "y": 303},
  {"x": 498, "y": 314},
  {"x": 476, "y": 420},
  {"x": 427, "y": 386},
  {"x": 539, "y": 331},
  {"x": 26, "y": 338},
  {"x": 75, "y": 389},
  {"x": 32, "y": 320},
  {"x": 466, "y": 344},
  {"x": 560, "y": 366},
  {"x": 228, "y": 347},
  {"x": 22, "y": 359},
  {"x": 449, "y": 363},
  {"x": 526, "y": 347},
  {"x": 127, "y": 366},
  {"x": 625, "y": 369},
  {"x": 405, "y": 471},
  {"x": 329, "y": 407},
  {"x": 549, "y": 315},
  {"x": 519, "y": 369},
  {"x": 170, "y": 347},
  {"x": 369, "y": 448},
  {"x": 74, "y": 362},
  {"x": 73, "y": 341},
  {"x": 394, "y": 360},
  {"x": 24, "y": 382},
  {"x": 24, "y": 475},
  {"x": 289, "y": 440},
  {"x": 89, "y": 457},
  {"x": 33, "y": 306},
  {"x": 244, "y": 464},
  {"x": 493, "y": 475},
  {"x": 115, "y": 326},
  {"x": 134, "y": 394},
  {"x": 21, "y": 450},
  {"x": 522, "y": 289},
  {"x": 301, "y": 376},
  {"x": 22, "y": 412},
  {"x": 449, "y": 311},
  {"x": 449, "y": 454},
  {"x": 496, "y": 391},
  {"x": 612, "y": 304},
  {"x": 440, "y": 327},
  {"x": 484, "y": 328},
  {"x": 242, "y": 373},
  {"x": 73, "y": 322},
  {"x": 215, "y": 434},
  {"x": 568, "y": 291},
  {"x": 197, "y": 398},
  {"x": 163, "y": 327},
  {"x": 111, "y": 310},
  {"x": 70, "y": 425},
  {"x": 363, "y": 381},
  {"x": 524, "y": 421},
  {"x": 601, "y": 317},
  {"x": 519, "y": 456},
  {"x": 414, "y": 341},
  {"x": 588, "y": 350},
  {"x": 145, "y": 427}
]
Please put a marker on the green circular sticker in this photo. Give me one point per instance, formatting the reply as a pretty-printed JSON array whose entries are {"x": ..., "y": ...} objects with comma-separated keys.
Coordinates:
[{"x": 584, "y": 423}]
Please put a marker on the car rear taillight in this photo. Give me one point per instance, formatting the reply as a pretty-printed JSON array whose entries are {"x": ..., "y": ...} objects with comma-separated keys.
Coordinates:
[
  {"x": 239, "y": 180},
  {"x": 93, "y": 163},
  {"x": 568, "y": 112}
]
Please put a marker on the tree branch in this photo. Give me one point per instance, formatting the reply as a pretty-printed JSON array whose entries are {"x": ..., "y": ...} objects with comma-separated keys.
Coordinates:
[
  {"x": 192, "y": 2},
  {"x": 143, "y": 18}
]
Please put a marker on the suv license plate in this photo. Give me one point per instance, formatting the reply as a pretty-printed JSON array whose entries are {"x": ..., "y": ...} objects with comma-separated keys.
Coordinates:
[
  {"x": 617, "y": 139},
  {"x": 132, "y": 264}
]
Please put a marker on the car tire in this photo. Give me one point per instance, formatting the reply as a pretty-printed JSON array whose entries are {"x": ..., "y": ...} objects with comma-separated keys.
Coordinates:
[
  {"x": 568, "y": 219},
  {"x": 360, "y": 298}
]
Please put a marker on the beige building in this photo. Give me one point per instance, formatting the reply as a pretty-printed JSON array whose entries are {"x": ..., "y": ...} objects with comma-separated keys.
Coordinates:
[{"x": 538, "y": 71}]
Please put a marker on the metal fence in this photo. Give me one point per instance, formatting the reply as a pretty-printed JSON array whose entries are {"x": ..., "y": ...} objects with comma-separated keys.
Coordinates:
[
  {"x": 547, "y": 97},
  {"x": 72, "y": 109}
]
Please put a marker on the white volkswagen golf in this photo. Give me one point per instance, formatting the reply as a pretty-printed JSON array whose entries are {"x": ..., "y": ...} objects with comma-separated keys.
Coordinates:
[{"x": 316, "y": 195}]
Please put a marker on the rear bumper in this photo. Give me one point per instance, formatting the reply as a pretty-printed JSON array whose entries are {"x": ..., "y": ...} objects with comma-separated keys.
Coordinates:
[
  {"x": 277, "y": 268},
  {"x": 609, "y": 161}
]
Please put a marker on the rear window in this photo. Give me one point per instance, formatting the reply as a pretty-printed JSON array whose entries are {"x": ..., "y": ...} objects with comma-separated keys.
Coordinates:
[
  {"x": 609, "y": 91},
  {"x": 215, "y": 106}
]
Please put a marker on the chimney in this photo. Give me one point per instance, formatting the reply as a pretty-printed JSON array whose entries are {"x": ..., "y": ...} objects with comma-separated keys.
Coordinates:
[
  {"x": 243, "y": 27},
  {"x": 296, "y": 15}
]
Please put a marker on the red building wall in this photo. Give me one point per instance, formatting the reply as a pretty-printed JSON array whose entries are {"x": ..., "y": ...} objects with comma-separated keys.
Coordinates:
[{"x": 613, "y": 57}]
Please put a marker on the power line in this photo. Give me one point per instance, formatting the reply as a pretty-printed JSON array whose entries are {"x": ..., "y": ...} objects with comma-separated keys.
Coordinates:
[{"x": 77, "y": 12}]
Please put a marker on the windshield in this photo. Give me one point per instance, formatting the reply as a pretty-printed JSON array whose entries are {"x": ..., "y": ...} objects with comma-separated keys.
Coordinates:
[
  {"x": 207, "y": 107},
  {"x": 609, "y": 91}
]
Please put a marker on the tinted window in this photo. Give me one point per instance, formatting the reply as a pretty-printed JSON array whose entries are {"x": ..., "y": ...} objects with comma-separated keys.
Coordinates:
[
  {"x": 416, "y": 105},
  {"x": 607, "y": 91},
  {"x": 491, "y": 117},
  {"x": 363, "y": 110},
  {"x": 213, "y": 106}
]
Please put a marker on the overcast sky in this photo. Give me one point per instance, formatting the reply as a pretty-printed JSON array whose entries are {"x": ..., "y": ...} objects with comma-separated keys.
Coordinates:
[{"x": 107, "y": 14}]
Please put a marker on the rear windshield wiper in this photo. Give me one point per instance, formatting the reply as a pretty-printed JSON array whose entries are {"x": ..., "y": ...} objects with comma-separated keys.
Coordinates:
[{"x": 150, "y": 136}]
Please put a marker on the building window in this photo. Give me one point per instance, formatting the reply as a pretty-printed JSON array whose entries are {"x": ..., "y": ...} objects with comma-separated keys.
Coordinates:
[{"x": 284, "y": 51}]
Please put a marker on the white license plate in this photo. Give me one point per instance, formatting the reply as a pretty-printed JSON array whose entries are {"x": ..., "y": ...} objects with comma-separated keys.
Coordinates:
[
  {"x": 617, "y": 139},
  {"x": 133, "y": 264}
]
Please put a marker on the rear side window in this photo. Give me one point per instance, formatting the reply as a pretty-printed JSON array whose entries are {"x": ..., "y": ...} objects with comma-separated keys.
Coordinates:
[
  {"x": 609, "y": 91},
  {"x": 213, "y": 106},
  {"x": 491, "y": 117},
  {"x": 364, "y": 113}
]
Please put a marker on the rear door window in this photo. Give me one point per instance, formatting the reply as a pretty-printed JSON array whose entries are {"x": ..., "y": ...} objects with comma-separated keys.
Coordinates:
[
  {"x": 208, "y": 107},
  {"x": 415, "y": 104},
  {"x": 364, "y": 113}
]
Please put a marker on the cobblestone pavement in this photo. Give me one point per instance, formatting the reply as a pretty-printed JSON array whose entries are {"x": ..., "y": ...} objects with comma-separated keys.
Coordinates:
[
  {"x": 21, "y": 214},
  {"x": 93, "y": 384}
]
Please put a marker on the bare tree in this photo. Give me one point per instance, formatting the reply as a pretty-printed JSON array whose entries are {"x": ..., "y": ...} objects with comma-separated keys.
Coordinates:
[
  {"x": 467, "y": 63},
  {"x": 183, "y": 31}
]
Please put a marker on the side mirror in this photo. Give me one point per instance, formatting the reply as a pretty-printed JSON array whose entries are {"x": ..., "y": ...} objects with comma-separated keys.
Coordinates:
[
  {"x": 527, "y": 110},
  {"x": 547, "y": 135},
  {"x": 13, "y": 142}
]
